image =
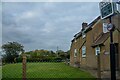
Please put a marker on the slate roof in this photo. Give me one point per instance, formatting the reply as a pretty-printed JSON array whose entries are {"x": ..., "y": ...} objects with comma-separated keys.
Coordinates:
[{"x": 76, "y": 36}]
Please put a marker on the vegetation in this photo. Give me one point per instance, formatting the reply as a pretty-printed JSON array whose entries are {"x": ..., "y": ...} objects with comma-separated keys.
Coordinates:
[
  {"x": 44, "y": 70},
  {"x": 12, "y": 50},
  {"x": 38, "y": 70},
  {"x": 0, "y": 72},
  {"x": 45, "y": 56}
]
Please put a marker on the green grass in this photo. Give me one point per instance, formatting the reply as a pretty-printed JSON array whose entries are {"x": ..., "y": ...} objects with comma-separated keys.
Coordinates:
[
  {"x": 12, "y": 71},
  {"x": 44, "y": 70},
  {"x": 0, "y": 72}
]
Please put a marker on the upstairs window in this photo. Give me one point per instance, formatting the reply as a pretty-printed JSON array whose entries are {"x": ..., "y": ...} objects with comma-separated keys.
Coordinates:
[
  {"x": 97, "y": 50},
  {"x": 83, "y": 35},
  {"x": 75, "y": 40},
  {"x": 84, "y": 51},
  {"x": 75, "y": 53}
]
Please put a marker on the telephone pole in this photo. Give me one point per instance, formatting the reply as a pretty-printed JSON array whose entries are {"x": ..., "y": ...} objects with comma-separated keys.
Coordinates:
[{"x": 112, "y": 51}]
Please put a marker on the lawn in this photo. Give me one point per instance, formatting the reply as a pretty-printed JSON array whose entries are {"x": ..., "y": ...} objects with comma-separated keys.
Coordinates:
[
  {"x": 44, "y": 70},
  {"x": 0, "y": 72}
]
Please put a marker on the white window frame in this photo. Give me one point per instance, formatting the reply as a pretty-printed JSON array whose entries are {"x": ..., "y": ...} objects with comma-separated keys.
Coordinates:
[
  {"x": 97, "y": 50},
  {"x": 83, "y": 35},
  {"x": 75, "y": 40},
  {"x": 75, "y": 52},
  {"x": 105, "y": 30},
  {"x": 84, "y": 51}
]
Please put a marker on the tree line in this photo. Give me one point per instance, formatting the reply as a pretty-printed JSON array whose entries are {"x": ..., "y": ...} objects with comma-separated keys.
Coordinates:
[{"x": 13, "y": 52}]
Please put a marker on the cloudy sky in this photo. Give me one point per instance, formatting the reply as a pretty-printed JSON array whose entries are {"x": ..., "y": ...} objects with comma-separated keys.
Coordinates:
[{"x": 45, "y": 25}]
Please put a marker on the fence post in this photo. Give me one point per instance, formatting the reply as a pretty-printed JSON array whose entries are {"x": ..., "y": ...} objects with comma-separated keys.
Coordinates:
[{"x": 24, "y": 67}]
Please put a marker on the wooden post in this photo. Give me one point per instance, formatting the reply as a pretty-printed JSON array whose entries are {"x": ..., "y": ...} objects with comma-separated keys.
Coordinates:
[
  {"x": 99, "y": 67},
  {"x": 24, "y": 67}
]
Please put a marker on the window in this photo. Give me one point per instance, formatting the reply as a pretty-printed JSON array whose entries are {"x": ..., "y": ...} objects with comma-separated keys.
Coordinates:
[
  {"x": 83, "y": 35},
  {"x": 97, "y": 50},
  {"x": 105, "y": 30},
  {"x": 75, "y": 53},
  {"x": 83, "y": 51},
  {"x": 75, "y": 40}
]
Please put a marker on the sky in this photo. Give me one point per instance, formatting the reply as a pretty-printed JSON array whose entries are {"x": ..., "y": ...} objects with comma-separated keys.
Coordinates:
[
  {"x": 54, "y": 0},
  {"x": 45, "y": 25}
]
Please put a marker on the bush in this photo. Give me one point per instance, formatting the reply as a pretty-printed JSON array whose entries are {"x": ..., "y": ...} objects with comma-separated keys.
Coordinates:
[
  {"x": 19, "y": 59},
  {"x": 58, "y": 59},
  {"x": 43, "y": 59}
]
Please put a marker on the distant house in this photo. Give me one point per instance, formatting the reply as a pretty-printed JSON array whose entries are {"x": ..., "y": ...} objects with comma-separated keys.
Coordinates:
[{"x": 91, "y": 41}]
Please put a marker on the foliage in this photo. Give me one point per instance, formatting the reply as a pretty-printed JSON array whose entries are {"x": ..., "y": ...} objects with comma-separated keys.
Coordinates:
[
  {"x": 12, "y": 50},
  {"x": 63, "y": 55},
  {"x": 19, "y": 59},
  {"x": 68, "y": 54},
  {"x": 46, "y": 56},
  {"x": 40, "y": 56}
]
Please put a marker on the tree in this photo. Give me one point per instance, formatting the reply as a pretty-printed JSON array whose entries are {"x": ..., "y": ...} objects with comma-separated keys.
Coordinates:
[
  {"x": 12, "y": 50},
  {"x": 61, "y": 54},
  {"x": 68, "y": 54}
]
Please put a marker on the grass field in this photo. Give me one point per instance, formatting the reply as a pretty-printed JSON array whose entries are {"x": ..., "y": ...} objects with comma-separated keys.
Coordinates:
[
  {"x": 44, "y": 70},
  {"x": 0, "y": 72}
]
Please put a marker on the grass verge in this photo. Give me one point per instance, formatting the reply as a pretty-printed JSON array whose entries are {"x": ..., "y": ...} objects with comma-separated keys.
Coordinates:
[{"x": 44, "y": 70}]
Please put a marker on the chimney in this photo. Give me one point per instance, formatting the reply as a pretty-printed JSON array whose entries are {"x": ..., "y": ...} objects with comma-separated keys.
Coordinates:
[{"x": 84, "y": 25}]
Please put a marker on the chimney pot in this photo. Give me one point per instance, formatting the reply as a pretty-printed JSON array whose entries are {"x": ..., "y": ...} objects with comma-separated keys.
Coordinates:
[{"x": 84, "y": 25}]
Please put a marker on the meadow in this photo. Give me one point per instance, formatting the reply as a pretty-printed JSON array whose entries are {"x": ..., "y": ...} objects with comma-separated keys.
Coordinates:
[{"x": 44, "y": 70}]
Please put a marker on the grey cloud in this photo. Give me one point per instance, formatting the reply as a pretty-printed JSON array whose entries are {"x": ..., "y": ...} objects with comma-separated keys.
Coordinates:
[{"x": 45, "y": 25}]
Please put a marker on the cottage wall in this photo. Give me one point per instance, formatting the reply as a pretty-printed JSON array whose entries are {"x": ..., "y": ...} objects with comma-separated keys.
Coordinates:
[{"x": 91, "y": 59}]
